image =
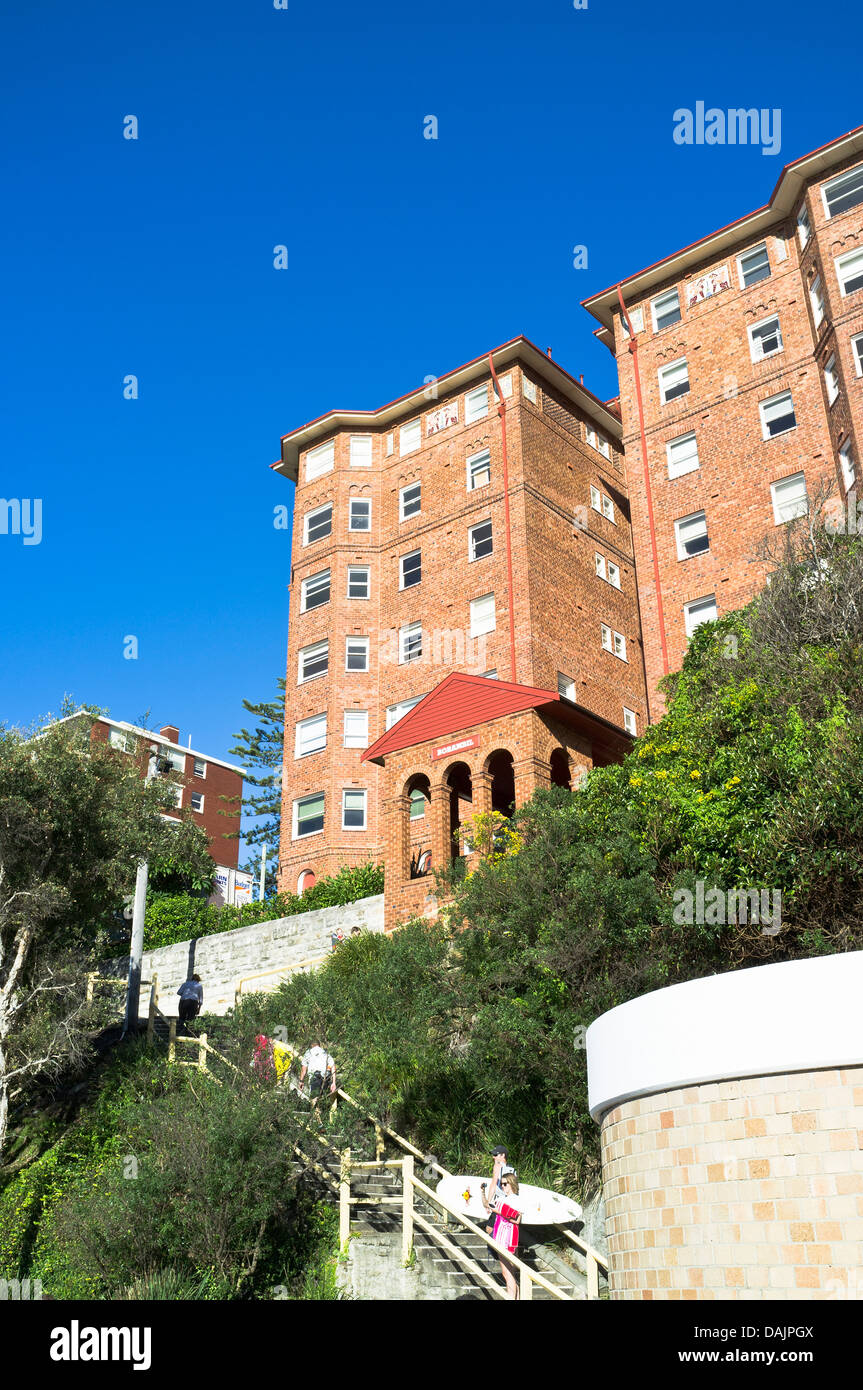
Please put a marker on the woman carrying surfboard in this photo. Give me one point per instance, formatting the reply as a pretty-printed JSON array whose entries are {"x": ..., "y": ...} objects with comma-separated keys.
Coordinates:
[{"x": 507, "y": 1210}]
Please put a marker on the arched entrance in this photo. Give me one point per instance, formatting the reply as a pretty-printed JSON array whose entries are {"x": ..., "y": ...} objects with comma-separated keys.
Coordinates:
[
  {"x": 500, "y": 770},
  {"x": 560, "y": 774},
  {"x": 458, "y": 781},
  {"x": 418, "y": 793}
]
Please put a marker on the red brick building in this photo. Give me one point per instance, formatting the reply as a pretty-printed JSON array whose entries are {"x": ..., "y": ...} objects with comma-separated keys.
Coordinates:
[
  {"x": 741, "y": 391},
  {"x": 451, "y": 531}
]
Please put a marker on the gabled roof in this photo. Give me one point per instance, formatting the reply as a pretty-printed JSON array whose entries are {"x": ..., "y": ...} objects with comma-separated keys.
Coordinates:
[
  {"x": 781, "y": 204},
  {"x": 459, "y": 702}
]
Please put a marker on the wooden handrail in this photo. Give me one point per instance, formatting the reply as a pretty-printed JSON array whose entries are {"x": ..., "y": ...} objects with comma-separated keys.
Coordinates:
[{"x": 278, "y": 970}]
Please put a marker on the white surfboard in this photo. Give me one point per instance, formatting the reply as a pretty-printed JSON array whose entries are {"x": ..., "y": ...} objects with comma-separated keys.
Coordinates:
[{"x": 539, "y": 1206}]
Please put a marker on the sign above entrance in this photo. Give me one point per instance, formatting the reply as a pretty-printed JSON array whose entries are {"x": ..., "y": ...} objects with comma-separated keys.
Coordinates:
[{"x": 447, "y": 749}]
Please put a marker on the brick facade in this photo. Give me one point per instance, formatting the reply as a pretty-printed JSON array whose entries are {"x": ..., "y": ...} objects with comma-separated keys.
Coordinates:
[{"x": 749, "y": 1189}]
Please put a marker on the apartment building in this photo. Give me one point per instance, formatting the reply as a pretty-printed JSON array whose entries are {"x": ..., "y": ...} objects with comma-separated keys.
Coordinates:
[
  {"x": 477, "y": 528},
  {"x": 740, "y": 360}
]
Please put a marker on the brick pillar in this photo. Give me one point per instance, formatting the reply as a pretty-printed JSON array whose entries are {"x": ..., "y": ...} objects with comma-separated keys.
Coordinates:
[
  {"x": 530, "y": 773},
  {"x": 481, "y": 784},
  {"x": 441, "y": 848},
  {"x": 397, "y": 855}
]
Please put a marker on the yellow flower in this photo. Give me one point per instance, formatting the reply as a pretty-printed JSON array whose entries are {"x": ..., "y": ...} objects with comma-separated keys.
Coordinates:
[
  {"x": 635, "y": 781},
  {"x": 695, "y": 776}
]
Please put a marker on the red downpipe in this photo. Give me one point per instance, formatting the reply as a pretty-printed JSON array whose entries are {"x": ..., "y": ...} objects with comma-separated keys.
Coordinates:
[
  {"x": 633, "y": 348},
  {"x": 501, "y": 410}
]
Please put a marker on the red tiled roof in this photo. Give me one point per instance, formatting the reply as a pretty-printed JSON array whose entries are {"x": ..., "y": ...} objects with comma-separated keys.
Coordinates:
[{"x": 459, "y": 702}]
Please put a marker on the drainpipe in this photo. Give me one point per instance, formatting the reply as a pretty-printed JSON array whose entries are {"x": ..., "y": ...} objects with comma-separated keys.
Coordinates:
[
  {"x": 501, "y": 410},
  {"x": 633, "y": 348}
]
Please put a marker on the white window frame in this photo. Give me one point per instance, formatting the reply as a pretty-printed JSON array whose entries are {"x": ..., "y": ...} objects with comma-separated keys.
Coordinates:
[
  {"x": 199, "y": 762},
  {"x": 630, "y": 721},
  {"x": 778, "y": 518},
  {"x": 409, "y": 487},
  {"x": 407, "y": 638},
  {"x": 816, "y": 301},
  {"x": 600, "y": 564},
  {"x": 565, "y": 687},
  {"x": 690, "y": 464},
  {"x": 597, "y": 442},
  {"x": 857, "y": 352},
  {"x": 682, "y": 553},
  {"x": 413, "y": 428},
  {"x": 409, "y": 556},
  {"x": 472, "y": 485},
  {"x": 309, "y": 579},
  {"x": 855, "y": 255},
  {"x": 176, "y": 759},
  {"x": 693, "y": 603},
  {"x": 404, "y": 705},
  {"x": 417, "y": 797},
  {"x": 846, "y": 463},
  {"x": 359, "y": 502},
  {"x": 505, "y": 386},
  {"x": 595, "y": 498},
  {"x": 654, "y": 307},
  {"x": 744, "y": 255},
  {"x": 359, "y": 598},
  {"x": 357, "y": 739},
  {"x": 480, "y": 625},
  {"x": 361, "y": 644},
  {"x": 320, "y": 460},
  {"x": 804, "y": 226},
  {"x": 295, "y": 816},
  {"x": 613, "y": 574},
  {"x": 471, "y": 540},
  {"x": 193, "y": 797},
  {"x": 118, "y": 740},
  {"x": 389, "y": 445},
  {"x": 302, "y": 727},
  {"x": 765, "y": 430},
  {"x": 663, "y": 372},
  {"x": 310, "y": 516},
  {"x": 356, "y": 452},
  {"x": 761, "y": 356},
  {"x": 831, "y": 379},
  {"x": 302, "y": 657},
  {"x": 474, "y": 409},
  {"x": 608, "y": 509},
  {"x": 605, "y": 638},
  {"x": 363, "y": 795},
  {"x": 619, "y": 646},
  {"x": 846, "y": 177},
  {"x": 177, "y": 794}
]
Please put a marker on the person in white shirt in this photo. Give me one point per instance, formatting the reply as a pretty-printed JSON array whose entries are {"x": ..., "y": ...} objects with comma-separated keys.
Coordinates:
[
  {"x": 191, "y": 998},
  {"x": 321, "y": 1070}
]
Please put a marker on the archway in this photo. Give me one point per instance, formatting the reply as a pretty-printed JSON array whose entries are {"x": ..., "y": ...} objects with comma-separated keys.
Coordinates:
[
  {"x": 418, "y": 792},
  {"x": 458, "y": 781},
  {"x": 500, "y": 769},
  {"x": 306, "y": 880},
  {"x": 560, "y": 774}
]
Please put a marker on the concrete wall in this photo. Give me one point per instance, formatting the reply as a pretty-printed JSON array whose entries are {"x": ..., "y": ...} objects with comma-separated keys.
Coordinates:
[{"x": 225, "y": 960}]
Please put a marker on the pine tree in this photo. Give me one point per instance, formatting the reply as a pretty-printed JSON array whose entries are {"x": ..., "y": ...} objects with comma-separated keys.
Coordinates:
[{"x": 260, "y": 752}]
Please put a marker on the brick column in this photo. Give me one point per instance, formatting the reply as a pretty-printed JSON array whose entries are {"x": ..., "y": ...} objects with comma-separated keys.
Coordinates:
[
  {"x": 441, "y": 848},
  {"x": 397, "y": 854},
  {"x": 481, "y": 785},
  {"x": 530, "y": 773}
]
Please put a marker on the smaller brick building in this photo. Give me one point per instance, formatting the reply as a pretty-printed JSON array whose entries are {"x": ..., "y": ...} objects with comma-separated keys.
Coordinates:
[{"x": 472, "y": 746}]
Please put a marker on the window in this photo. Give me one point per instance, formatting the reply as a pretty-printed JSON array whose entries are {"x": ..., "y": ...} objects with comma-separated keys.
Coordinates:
[
  {"x": 318, "y": 524},
  {"x": 636, "y": 318},
  {"x": 804, "y": 226},
  {"x": 849, "y": 272},
  {"x": 390, "y": 444},
  {"x": 629, "y": 721},
  {"x": 607, "y": 570},
  {"x": 529, "y": 388},
  {"x": 360, "y": 514},
  {"x": 505, "y": 386},
  {"x": 358, "y": 581},
  {"x": 320, "y": 460},
  {"x": 308, "y": 815},
  {"x": 831, "y": 380},
  {"x": 620, "y": 646},
  {"x": 200, "y": 767},
  {"x": 475, "y": 404},
  {"x": 613, "y": 641},
  {"x": 596, "y": 441},
  {"x": 691, "y": 535},
  {"x": 353, "y": 809},
  {"x": 480, "y": 541},
  {"x": 482, "y": 615},
  {"x": 613, "y": 574},
  {"x": 565, "y": 687},
  {"x": 410, "y": 437},
  {"x": 753, "y": 266},
  {"x": 174, "y": 758},
  {"x": 315, "y": 591},
  {"x": 313, "y": 661},
  {"x": 310, "y": 736},
  {"x": 777, "y": 415},
  {"x": 674, "y": 381},
  {"x": 665, "y": 309},
  {"x": 410, "y": 569},
  {"x": 843, "y": 193},
  {"x": 765, "y": 338},
  {"x": 601, "y": 503},
  {"x": 418, "y": 804},
  {"x": 857, "y": 347},
  {"x": 356, "y": 728},
  {"x": 700, "y": 610},
  {"x": 606, "y": 638},
  {"x": 197, "y": 801},
  {"x": 607, "y": 508},
  {"x": 682, "y": 455},
  {"x": 176, "y": 793},
  {"x": 478, "y": 470},
  {"x": 489, "y": 675},
  {"x": 356, "y": 653},
  {"x": 361, "y": 451},
  {"x": 117, "y": 739},
  {"x": 816, "y": 299},
  {"x": 306, "y": 880},
  {"x": 398, "y": 711},
  {"x": 600, "y": 565},
  {"x": 411, "y": 642},
  {"x": 789, "y": 498},
  {"x": 595, "y": 498},
  {"x": 846, "y": 460},
  {"x": 410, "y": 501}
]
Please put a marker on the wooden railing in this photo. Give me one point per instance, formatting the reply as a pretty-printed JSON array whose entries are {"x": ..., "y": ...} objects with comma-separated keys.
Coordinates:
[{"x": 283, "y": 970}]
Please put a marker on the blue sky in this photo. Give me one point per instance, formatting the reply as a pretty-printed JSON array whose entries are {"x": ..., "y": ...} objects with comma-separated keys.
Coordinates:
[{"x": 407, "y": 256}]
